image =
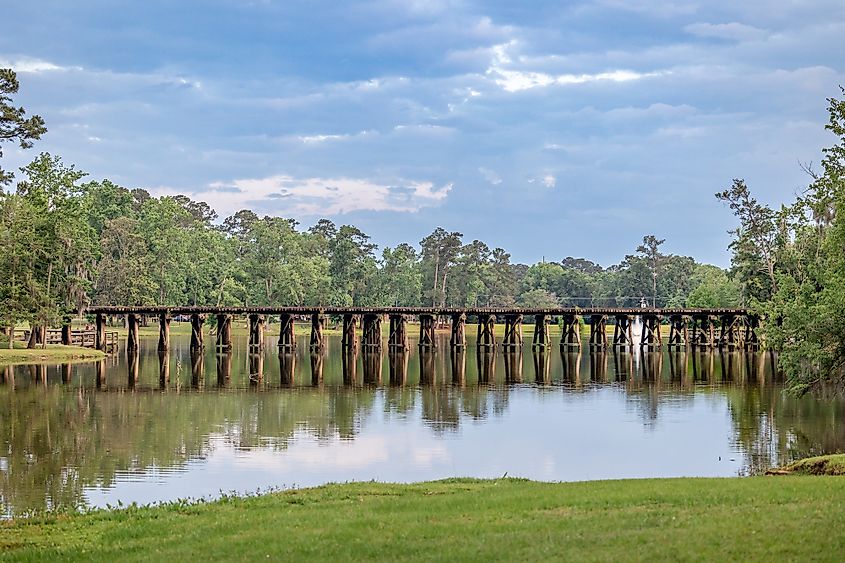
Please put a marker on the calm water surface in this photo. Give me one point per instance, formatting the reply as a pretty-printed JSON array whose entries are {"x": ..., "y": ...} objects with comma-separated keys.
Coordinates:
[{"x": 172, "y": 426}]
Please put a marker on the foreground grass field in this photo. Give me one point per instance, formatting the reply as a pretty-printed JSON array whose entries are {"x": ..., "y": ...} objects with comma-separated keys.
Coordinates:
[
  {"x": 761, "y": 518},
  {"x": 52, "y": 353}
]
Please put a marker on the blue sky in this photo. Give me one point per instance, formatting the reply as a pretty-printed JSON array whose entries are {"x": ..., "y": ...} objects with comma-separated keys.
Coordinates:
[{"x": 548, "y": 128}]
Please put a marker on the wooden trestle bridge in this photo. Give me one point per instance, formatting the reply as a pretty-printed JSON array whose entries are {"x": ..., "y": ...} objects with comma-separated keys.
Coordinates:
[{"x": 731, "y": 328}]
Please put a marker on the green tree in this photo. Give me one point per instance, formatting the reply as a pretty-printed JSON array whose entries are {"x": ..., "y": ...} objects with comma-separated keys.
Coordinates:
[
  {"x": 14, "y": 125},
  {"x": 19, "y": 290},
  {"x": 755, "y": 241},
  {"x": 440, "y": 249}
]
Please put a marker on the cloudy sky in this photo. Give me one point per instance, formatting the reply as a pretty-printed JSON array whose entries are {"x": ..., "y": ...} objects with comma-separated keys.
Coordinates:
[{"x": 547, "y": 128}]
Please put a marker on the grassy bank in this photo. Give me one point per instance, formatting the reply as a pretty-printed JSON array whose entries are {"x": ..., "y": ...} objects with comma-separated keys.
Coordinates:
[
  {"x": 798, "y": 517},
  {"x": 52, "y": 353}
]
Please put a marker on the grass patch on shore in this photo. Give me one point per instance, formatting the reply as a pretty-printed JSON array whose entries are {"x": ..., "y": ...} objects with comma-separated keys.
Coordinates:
[
  {"x": 52, "y": 353},
  {"x": 761, "y": 518},
  {"x": 833, "y": 464}
]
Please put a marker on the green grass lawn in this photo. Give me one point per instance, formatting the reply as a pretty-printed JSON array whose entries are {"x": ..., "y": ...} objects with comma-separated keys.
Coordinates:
[
  {"x": 53, "y": 353},
  {"x": 757, "y": 518}
]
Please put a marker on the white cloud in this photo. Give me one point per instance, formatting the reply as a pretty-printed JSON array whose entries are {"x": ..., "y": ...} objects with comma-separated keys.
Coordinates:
[
  {"x": 316, "y": 196},
  {"x": 733, "y": 31},
  {"x": 515, "y": 80},
  {"x": 549, "y": 181},
  {"x": 490, "y": 175},
  {"x": 34, "y": 66}
]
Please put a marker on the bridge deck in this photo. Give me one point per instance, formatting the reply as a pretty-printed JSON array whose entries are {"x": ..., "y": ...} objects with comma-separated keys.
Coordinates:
[{"x": 304, "y": 310}]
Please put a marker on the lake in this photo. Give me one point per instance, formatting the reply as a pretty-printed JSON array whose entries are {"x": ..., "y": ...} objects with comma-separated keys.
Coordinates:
[{"x": 164, "y": 427}]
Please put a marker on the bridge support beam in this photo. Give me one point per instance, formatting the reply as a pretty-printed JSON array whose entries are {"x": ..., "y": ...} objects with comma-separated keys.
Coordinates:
[
  {"x": 541, "y": 332},
  {"x": 318, "y": 323},
  {"x": 731, "y": 330},
  {"x": 372, "y": 331},
  {"x": 224, "y": 332},
  {"x": 256, "y": 332},
  {"x": 164, "y": 331},
  {"x": 132, "y": 337},
  {"x": 287, "y": 335},
  {"x": 459, "y": 336},
  {"x": 752, "y": 340},
  {"x": 570, "y": 331},
  {"x": 678, "y": 336},
  {"x": 513, "y": 332},
  {"x": 598, "y": 331},
  {"x": 486, "y": 336},
  {"x": 67, "y": 332},
  {"x": 703, "y": 331},
  {"x": 623, "y": 334},
  {"x": 651, "y": 337},
  {"x": 197, "y": 339},
  {"x": 398, "y": 335},
  {"x": 348, "y": 338},
  {"x": 100, "y": 326},
  {"x": 427, "y": 323}
]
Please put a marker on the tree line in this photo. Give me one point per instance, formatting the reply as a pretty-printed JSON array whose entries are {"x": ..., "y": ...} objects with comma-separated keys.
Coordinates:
[
  {"x": 69, "y": 241},
  {"x": 790, "y": 264}
]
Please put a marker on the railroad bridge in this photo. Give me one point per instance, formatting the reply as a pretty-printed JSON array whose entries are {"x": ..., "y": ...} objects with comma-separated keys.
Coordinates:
[{"x": 731, "y": 328}]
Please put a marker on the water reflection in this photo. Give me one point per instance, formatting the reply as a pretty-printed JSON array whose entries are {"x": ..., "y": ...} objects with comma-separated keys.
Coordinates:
[{"x": 140, "y": 426}]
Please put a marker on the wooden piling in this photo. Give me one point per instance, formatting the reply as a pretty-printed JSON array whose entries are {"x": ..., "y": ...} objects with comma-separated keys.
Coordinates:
[
  {"x": 348, "y": 338},
  {"x": 458, "y": 338},
  {"x": 371, "y": 339},
  {"x": 598, "y": 331},
  {"x": 427, "y": 323},
  {"x": 677, "y": 331},
  {"x": 513, "y": 331},
  {"x": 570, "y": 331},
  {"x": 703, "y": 332},
  {"x": 731, "y": 330},
  {"x": 752, "y": 340},
  {"x": 256, "y": 332},
  {"x": 164, "y": 331},
  {"x": 542, "y": 339},
  {"x": 651, "y": 337},
  {"x": 623, "y": 335},
  {"x": 486, "y": 335},
  {"x": 398, "y": 335},
  {"x": 132, "y": 338},
  {"x": 224, "y": 332},
  {"x": 287, "y": 335},
  {"x": 197, "y": 340},
  {"x": 67, "y": 331},
  {"x": 318, "y": 323}
]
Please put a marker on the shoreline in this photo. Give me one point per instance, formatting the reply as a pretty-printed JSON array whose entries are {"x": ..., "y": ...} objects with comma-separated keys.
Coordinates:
[{"x": 53, "y": 353}]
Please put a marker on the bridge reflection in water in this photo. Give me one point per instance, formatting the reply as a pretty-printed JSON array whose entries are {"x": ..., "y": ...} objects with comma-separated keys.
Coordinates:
[
  {"x": 334, "y": 365},
  {"x": 78, "y": 429}
]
